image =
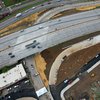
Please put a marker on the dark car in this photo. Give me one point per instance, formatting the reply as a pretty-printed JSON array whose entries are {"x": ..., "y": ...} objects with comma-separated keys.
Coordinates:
[
  {"x": 10, "y": 53},
  {"x": 12, "y": 56}
]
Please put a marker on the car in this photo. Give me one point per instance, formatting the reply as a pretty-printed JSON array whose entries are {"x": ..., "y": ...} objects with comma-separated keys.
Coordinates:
[
  {"x": 39, "y": 47},
  {"x": 12, "y": 56},
  {"x": 34, "y": 41},
  {"x": 9, "y": 89},
  {"x": 96, "y": 56},
  {"x": 27, "y": 10},
  {"x": 31, "y": 64},
  {"x": 40, "y": 27},
  {"x": 42, "y": 5},
  {"x": 10, "y": 53},
  {"x": 22, "y": 30},
  {"x": 49, "y": 2},
  {"x": 9, "y": 97},
  {"x": 65, "y": 81},
  {"x": 18, "y": 15},
  {"x": 33, "y": 8},
  {"x": 64, "y": 57},
  {"x": 36, "y": 74},
  {"x": 26, "y": 81},
  {"x": 15, "y": 86},
  {"x": 33, "y": 46}
]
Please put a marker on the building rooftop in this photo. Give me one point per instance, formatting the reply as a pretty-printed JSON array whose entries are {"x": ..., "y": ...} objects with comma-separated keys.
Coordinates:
[{"x": 13, "y": 75}]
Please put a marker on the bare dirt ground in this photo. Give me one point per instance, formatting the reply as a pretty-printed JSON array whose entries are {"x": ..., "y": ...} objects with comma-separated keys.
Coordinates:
[
  {"x": 74, "y": 62},
  {"x": 66, "y": 13},
  {"x": 50, "y": 55},
  {"x": 21, "y": 24},
  {"x": 84, "y": 85},
  {"x": 41, "y": 66}
]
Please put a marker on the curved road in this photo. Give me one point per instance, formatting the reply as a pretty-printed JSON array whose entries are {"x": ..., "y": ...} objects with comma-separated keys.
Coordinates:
[
  {"x": 37, "y": 9},
  {"x": 74, "y": 48},
  {"x": 47, "y": 35},
  {"x": 92, "y": 64},
  {"x": 46, "y": 16}
]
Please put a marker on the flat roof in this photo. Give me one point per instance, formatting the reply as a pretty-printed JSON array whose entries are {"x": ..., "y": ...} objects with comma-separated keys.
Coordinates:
[{"x": 13, "y": 75}]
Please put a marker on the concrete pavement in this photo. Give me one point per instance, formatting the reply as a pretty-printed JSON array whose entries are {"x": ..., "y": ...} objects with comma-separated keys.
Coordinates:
[
  {"x": 37, "y": 81},
  {"x": 46, "y": 16},
  {"x": 75, "y": 25},
  {"x": 38, "y": 8}
]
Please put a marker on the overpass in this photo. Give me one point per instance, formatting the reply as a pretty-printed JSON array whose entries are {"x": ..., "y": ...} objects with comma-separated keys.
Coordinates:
[
  {"x": 46, "y": 35},
  {"x": 39, "y": 8}
]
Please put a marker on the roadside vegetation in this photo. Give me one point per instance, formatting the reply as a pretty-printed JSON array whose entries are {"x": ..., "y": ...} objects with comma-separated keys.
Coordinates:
[
  {"x": 11, "y": 2},
  {"x": 21, "y": 10},
  {"x": 6, "y": 68}
]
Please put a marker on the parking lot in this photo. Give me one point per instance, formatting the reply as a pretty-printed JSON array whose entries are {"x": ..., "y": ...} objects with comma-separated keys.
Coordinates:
[{"x": 22, "y": 88}]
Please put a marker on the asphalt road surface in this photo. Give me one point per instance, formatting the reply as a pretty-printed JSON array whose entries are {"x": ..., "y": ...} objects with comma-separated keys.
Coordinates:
[
  {"x": 47, "y": 35},
  {"x": 37, "y": 9},
  {"x": 56, "y": 90},
  {"x": 46, "y": 16}
]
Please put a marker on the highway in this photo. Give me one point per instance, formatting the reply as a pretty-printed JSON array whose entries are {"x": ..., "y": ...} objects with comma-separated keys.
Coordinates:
[
  {"x": 47, "y": 35},
  {"x": 46, "y": 16},
  {"x": 38, "y": 8}
]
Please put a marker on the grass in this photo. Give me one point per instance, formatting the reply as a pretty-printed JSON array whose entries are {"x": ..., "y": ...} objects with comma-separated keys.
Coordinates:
[
  {"x": 21, "y": 10},
  {"x": 5, "y": 69},
  {"x": 11, "y": 2}
]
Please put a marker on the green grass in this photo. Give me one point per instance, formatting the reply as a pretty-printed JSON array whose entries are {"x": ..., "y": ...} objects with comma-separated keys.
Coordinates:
[
  {"x": 11, "y": 2},
  {"x": 5, "y": 69},
  {"x": 21, "y": 10}
]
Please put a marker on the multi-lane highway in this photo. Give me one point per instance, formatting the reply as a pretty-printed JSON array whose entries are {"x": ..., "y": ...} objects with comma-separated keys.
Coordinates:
[
  {"x": 38, "y": 8},
  {"x": 46, "y": 16},
  {"x": 47, "y": 35}
]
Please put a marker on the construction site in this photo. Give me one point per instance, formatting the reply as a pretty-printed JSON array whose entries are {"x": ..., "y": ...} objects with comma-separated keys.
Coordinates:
[{"x": 89, "y": 86}]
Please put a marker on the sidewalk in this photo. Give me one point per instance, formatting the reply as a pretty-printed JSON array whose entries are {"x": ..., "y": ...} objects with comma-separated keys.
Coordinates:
[{"x": 74, "y": 48}]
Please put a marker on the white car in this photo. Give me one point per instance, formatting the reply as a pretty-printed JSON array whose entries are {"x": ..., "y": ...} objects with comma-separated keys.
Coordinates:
[
  {"x": 26, "y": 81},
  {"x": 65, "y": 81},
  {"x": 18, "y": 15},
  {"x": 27, "y": 10},
  {"x": 33, "y": 8},
  {"x": 15, "y": 86},
  {"x": 9, "y": 89}
]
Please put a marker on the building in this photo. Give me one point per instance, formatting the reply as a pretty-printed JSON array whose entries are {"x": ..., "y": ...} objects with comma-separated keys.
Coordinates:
[
  {"x": 1, "y": 4},
  {"x": 12, "y": 76}
]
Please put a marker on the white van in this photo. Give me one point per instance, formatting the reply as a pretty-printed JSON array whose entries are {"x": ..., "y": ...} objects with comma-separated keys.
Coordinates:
[{"x": 18, "y": 15}]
